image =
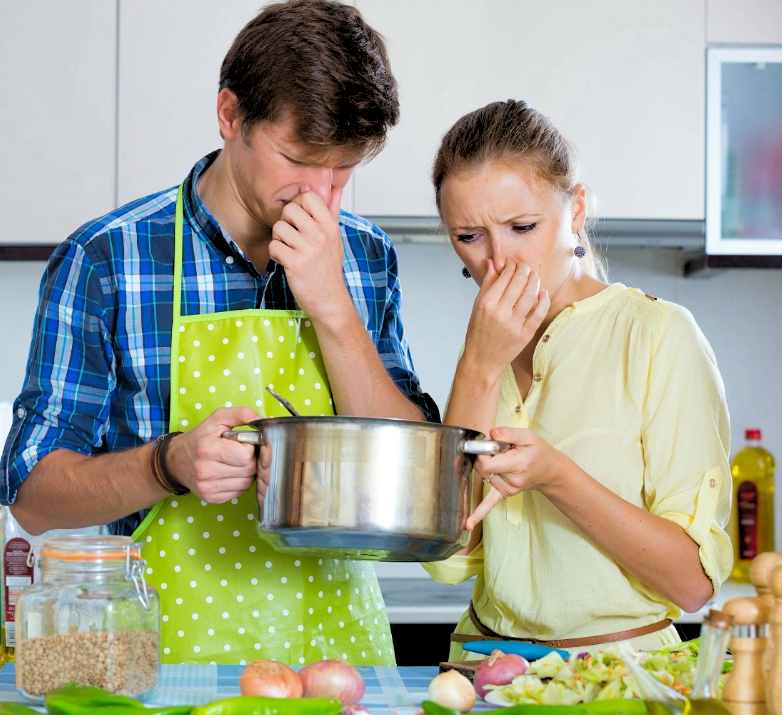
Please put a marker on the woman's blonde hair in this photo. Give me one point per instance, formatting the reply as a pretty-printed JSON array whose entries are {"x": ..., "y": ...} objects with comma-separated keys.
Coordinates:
[{"x": 508, "y": 132}]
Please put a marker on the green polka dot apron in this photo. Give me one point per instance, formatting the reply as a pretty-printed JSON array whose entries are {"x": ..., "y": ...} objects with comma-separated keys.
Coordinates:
[{"x": 226, "y": 596}]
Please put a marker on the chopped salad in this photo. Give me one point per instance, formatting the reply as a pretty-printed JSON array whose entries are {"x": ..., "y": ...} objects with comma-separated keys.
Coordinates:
[{"x": 601, "y": 675}]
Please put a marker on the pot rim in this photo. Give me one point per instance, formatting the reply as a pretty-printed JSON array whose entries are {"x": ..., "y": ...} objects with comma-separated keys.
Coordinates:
[{"x": 365, "y": 421}]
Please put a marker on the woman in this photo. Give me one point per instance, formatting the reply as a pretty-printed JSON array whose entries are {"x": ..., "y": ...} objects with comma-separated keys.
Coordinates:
[{"x": 607, "y": 516}]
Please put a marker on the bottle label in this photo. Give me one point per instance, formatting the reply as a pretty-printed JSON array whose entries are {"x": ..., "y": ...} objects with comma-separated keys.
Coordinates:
[
  {"x": 747, "y": 509},
  {"x": 17, "y": 575}
]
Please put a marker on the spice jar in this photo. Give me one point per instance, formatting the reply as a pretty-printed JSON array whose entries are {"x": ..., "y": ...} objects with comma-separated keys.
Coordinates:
[{"x": 90, "y": 619}]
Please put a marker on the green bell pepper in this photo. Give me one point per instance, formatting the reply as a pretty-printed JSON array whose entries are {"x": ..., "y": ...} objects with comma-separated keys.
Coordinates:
[
  {"x": 85, "y": 696},
  {"x": 597, "y": 707},
  {"x": 430, "y": 707},
  {"x": 88, "y": 700},
  {"x": 534, "y": 709},
  {"x": 16, "y": 709},
  {"x": 257, "y": 705},
  {"x": 625, "y": 706}
]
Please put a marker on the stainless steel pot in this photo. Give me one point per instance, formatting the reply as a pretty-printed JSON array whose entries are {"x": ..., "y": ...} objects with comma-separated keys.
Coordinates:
[{"x": 366, "y": 488}]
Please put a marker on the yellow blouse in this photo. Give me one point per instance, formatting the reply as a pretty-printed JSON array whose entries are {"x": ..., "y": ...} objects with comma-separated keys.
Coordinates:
[{"x": 628, "y": 387}]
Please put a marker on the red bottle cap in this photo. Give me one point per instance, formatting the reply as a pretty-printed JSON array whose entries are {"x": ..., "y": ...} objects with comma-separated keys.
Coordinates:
[{"x": 752, "y": 434}]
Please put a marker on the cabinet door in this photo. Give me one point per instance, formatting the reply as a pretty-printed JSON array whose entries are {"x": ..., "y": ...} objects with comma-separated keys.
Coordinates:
[
  {"x": 623, "y": 81},
  {"x": 57, "y": 117},
  {"x": 751, "y": 22},
  {"x": 169, "y": 68},
  {"x": 437, "y": 51}
]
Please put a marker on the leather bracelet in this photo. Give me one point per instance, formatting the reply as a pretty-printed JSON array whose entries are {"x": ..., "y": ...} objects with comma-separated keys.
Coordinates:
[{"x": 160, "y": 468}]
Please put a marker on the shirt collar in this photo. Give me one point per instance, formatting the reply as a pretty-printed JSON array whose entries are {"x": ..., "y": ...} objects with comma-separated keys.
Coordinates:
[{"x": 199, "y": 215}]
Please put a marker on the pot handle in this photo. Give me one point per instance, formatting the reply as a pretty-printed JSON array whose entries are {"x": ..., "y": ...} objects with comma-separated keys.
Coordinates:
[
  {"x": 483, "y": 446},
  {"x": 243, "y": 435}
]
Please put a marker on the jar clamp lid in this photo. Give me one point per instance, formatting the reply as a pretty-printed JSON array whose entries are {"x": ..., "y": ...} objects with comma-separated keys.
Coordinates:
[{"x": 99, "y": 553}]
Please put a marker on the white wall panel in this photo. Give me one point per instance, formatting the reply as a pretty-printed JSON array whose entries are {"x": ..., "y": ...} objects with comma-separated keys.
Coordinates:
[
  {"x": 757, "y": 22},
  {"x": 57, "y": 116},
  {"x": 169, "y": 67},
  {"x": 623, "y": 81}
]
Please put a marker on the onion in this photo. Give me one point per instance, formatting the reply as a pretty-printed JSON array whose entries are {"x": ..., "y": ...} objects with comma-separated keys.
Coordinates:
[
  {"x": 452, "y": 690},
  {"x": 332, "y": 679},
  {"x": 356, "y": 710},
  {"x": 498, "y": 669},
  {"x": 270, "y": 679}
]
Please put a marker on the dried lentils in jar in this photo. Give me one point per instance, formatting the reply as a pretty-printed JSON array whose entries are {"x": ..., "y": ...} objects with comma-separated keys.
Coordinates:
[{"x": 91, "y": 619}]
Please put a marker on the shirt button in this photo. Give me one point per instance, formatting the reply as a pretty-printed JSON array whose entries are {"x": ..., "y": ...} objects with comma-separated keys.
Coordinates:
[
  {"x": 546, "y": 338},
  {"x": 538, "y": 377},
  {"x": 20, "y": 413},
  {"x": 712, "y": 483},
  {"x": 518, "y": 409},
  {"x": 229, "y": 260}
]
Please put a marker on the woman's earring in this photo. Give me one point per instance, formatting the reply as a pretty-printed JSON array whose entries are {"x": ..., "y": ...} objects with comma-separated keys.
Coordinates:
[
  {"x": 579, "y": 251},
  {"x": 466, "y": 273}
]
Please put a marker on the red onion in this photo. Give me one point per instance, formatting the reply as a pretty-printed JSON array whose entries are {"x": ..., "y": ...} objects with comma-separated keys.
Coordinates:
[
  {"x": 333, "y": 679},
  {"x": 498, "y": 669},
  {"x": 270, "y": 679}
]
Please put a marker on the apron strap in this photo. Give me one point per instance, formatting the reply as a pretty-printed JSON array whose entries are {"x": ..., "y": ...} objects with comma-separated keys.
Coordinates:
[{"x": 176, "y": 305}]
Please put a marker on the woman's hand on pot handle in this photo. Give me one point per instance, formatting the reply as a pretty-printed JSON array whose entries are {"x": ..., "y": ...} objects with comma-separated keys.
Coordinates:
[
  {"x": 215, "y": 469},
  {"x": 508, "y": 310},
  {"x": 532, "y": 464}
]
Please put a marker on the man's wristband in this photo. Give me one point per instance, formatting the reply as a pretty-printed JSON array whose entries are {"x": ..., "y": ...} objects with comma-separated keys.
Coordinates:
[{"x": 160, "y": 468}]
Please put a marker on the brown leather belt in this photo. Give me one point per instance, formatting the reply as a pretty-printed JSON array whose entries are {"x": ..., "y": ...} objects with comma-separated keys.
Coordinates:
[{"x": 489, "y": 635}]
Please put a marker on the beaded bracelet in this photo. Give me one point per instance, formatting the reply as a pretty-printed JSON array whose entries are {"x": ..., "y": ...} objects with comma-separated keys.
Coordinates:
[{"x": 160, "y": 468}]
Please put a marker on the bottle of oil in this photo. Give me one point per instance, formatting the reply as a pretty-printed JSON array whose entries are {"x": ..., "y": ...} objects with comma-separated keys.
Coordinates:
[
  {"x": 3, "y": 658},
  {"x": 752, "y": 515},
  {"x": 19, "y": 570}
]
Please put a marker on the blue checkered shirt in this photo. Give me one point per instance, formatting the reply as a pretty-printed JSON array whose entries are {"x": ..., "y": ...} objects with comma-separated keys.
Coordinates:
[{"x": 98, "y": 374}]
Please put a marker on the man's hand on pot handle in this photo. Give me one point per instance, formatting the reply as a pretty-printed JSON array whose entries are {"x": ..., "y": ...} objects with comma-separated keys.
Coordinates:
[{"x": 215, "y": 469}]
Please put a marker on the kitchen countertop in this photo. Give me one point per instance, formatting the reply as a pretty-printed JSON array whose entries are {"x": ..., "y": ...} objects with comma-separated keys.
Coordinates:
[
  {"x": 389, "y": 689},
  {"x": 414, "y": 598}
]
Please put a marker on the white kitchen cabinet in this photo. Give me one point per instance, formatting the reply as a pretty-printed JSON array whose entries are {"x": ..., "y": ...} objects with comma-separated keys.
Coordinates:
[
  {"x": 437, "y": 51},
  {"x": 57, "y": 120},
  {"x": 744, "y": 151},
  {"x": 750, "y": 22},
  {"x": 169, "y": 69},
  {"x": 623, "y": 81}
]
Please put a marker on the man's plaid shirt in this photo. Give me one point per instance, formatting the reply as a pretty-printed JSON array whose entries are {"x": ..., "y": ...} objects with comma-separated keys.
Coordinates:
[{"x": 98, "y": 373}]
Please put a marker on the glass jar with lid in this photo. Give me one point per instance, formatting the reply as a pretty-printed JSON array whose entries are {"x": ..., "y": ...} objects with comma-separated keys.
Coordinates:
[{"x": 91, "y": 619}]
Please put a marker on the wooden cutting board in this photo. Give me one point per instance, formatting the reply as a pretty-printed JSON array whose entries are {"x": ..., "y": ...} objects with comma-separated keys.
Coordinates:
[{"x": 465, "y": 667}]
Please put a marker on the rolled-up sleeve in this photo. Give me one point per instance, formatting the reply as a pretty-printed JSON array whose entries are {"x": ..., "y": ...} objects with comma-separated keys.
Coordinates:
[
  {"x": 686, "y": 441},
  {"x": 64, "y": 403},
  {"x": 457, "y": 568}
]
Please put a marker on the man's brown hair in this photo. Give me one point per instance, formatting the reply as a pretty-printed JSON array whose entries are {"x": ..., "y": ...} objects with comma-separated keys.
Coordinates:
[{"x": 320, "y": 63}]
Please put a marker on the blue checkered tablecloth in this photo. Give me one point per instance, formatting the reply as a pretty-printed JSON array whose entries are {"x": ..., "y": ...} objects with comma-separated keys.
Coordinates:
[{"x": 389, "y": 690}]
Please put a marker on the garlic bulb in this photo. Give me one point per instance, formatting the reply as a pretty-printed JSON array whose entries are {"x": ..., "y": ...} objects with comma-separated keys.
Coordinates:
[{"x": 452, "y": 690}]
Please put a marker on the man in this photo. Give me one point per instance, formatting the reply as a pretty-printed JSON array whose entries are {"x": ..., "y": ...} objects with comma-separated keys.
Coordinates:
[{"x": 167, "y": 317}]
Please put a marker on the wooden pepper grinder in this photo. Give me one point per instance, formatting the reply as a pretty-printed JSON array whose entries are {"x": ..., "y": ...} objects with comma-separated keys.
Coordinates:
[
  {"x": 745, "y": 690},
  {"x": 760, "y": 575},
  {"x": 774, "y": 679},
  {"x": 760, "y": 572}
]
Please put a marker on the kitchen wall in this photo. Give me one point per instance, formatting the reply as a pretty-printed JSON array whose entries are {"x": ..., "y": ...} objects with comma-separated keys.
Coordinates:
[{"x": 738, "y": 310}]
